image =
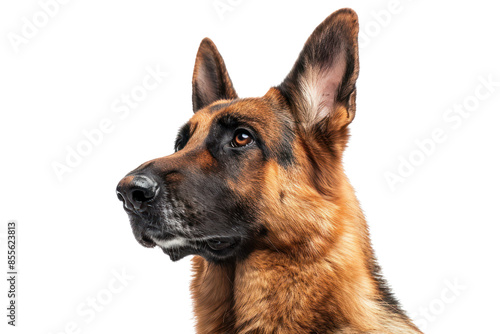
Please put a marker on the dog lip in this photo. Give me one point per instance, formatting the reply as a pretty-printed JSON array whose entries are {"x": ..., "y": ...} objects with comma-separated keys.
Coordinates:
[
  {"x": 153, "y": 234},
  {"x": 218, "y": 244},
  {"x": 147, "y": 234},
  {"x": 147, "y": 242},
  {"x": 215, "y": 244},
  {"x": 216, "y": 248}
]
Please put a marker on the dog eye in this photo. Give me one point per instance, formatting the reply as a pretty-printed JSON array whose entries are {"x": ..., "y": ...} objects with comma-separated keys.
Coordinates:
[
  {"x": 182, "y": 138},
  {"x": 241, "y": 138},
  {"x": 179, "y": 144}
]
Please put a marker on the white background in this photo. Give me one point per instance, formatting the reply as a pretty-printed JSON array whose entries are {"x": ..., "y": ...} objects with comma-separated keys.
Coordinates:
[{"x": 438, "y": 228}]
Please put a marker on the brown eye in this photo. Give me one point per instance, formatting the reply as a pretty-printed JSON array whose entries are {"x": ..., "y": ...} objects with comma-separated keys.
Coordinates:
[{"x": 241, "y": 138}]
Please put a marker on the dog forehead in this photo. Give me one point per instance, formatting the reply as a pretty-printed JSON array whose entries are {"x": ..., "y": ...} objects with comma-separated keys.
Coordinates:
[
  {"x": 255, "y": 108},
  {"x": 256, "y": 112}
]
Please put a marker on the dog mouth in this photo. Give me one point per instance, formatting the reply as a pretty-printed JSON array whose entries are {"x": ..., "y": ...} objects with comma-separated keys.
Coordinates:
[
  {"x": 146, "y": 241},
  {"x": 218, "y": 244},
  {"x": 215, "y": 249},
  {"x": 177, "y": 245}
]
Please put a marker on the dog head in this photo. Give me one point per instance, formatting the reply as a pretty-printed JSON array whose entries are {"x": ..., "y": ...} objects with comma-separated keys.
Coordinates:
[{"x": 252, "y": 173}]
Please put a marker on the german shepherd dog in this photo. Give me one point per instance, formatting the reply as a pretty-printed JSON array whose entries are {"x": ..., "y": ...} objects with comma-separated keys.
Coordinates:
[{"x": 257, "y": 193}]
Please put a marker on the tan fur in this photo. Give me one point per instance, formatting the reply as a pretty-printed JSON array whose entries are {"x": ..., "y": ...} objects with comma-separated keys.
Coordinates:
[
  {"x": 314, "y": 262},
  {"x": 325, "y": 274}
]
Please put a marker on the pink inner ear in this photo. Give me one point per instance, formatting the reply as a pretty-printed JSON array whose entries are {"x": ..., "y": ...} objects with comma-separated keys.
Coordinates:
[
  {"x": 327, "y": 85},
  {"x": 205, "y": 85}
]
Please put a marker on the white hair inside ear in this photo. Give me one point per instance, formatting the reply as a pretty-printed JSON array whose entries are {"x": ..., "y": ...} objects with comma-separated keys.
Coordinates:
[{"x": 319, "y": 89}]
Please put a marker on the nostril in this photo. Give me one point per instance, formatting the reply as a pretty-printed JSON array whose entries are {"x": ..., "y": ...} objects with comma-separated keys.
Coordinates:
[
  {"x": 143, "y": 189},
  {"x": 120, "y": 197},
  {"x": 142, "y": 195}
]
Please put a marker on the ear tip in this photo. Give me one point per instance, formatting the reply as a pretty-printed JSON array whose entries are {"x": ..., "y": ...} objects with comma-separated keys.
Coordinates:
[
  {"x": 207, "y": 43},
  {"x": 207, "y": 46},
  {"x": 206, "y": 40},
  {"x": 347, "y": 15}
]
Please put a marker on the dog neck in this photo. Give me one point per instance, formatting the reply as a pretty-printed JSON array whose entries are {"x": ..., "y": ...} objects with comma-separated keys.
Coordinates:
[
  {"x": 274, "y": 289},
  {"x": 322, "y": 279}
]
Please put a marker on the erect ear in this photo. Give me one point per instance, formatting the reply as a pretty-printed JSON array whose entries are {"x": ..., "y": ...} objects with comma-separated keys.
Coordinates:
[
  {"x": 211, "y": 81},
  {"x": 322, "y": 82}
]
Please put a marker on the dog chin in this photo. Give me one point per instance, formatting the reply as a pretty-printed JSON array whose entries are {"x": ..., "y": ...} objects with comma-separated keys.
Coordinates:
[{"x": 176, "y": 254}]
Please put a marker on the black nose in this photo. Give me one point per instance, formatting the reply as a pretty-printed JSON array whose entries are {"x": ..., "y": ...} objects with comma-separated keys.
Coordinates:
[{"x": 135, "y": 191}]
